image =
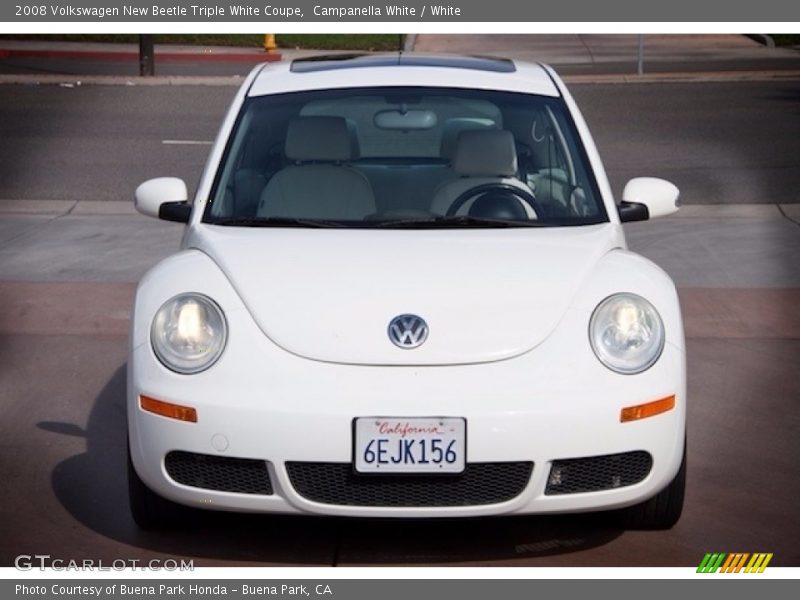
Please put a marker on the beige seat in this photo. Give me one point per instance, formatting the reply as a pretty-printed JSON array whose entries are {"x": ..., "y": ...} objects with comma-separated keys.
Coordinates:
[
  {"x": 481, "y": 156},
  {"x": 320, "y": 185},
  {"x": 456, "y": 126}
]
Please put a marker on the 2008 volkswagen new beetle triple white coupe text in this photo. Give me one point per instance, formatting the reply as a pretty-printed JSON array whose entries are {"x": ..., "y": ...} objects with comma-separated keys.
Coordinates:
[{"x": 404, "y": 291}]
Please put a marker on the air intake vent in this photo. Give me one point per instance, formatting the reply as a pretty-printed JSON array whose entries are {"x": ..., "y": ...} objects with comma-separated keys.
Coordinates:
[
  {"x": 219, "y": 473},
  {"x": 596, "y": 473},
  {"x": 480, "y": 484}
]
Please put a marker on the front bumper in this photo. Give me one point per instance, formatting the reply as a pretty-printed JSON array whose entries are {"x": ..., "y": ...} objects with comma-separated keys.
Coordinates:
[{"x": 259, "y": 402}]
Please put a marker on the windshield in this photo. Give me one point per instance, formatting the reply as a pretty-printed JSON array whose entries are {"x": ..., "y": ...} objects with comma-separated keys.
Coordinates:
[{"x": 404, "y": 158}]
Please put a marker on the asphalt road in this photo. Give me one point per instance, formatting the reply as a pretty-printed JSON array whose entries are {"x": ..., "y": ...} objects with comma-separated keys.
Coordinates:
[
  {"x": 721, "y": 143},
  {"x": 66, "y": 284}
]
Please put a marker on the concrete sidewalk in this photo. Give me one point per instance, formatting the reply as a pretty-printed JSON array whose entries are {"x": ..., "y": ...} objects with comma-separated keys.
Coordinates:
[
  {"x": 604, "y": 48},
  {"x": 605, "y": 53}
]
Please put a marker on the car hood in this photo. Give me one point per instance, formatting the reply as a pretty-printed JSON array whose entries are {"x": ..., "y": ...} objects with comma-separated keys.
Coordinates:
[{"x": 329, "y": 295}]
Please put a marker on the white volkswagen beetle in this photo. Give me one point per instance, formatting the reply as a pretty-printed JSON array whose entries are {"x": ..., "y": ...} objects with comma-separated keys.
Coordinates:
[{"x": 404, "y": 291}]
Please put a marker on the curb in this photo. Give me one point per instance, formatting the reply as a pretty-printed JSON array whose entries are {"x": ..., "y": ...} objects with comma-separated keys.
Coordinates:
[
  {"x": 687, "y": 77},
  {"x": 70, "y": 80},
  {"x": 63, "y": 208},
  {"x": 762, "y": 38},
  {"x": 251, "y": 57}
]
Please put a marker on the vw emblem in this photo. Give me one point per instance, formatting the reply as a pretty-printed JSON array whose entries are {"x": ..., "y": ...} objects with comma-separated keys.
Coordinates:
[{"x": 408, "y": 331}]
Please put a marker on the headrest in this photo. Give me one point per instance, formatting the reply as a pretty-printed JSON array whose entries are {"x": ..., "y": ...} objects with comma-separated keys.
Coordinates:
[
  {"x": 453, "y": 127},
  {"x": 318, "y": 138},
  {"x": 485, "y": 153}
]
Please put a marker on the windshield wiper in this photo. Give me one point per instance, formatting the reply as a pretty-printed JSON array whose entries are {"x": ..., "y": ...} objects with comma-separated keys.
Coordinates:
[
  {"x": 456, "y": 221},
  {"x": 275, "y": 222},
  {"x": 432, "y": 222}
]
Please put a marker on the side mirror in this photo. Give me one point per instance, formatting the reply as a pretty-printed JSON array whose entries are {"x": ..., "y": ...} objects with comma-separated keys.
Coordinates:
[
  {"x": 647, "y": 198},
  {"x": 164, "y": 198}
]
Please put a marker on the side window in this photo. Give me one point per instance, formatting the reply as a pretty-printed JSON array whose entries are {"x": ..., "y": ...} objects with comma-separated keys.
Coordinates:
[
  {"x": 554, "y": 172},
  {"x": 255, "y": 154}
]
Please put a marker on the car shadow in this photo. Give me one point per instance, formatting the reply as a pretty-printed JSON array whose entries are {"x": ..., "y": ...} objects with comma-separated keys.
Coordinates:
[{"x": 92, "y": 487}]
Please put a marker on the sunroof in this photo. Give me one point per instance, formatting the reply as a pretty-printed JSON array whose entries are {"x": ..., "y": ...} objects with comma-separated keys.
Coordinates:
[{"x": 352, "y": 61}]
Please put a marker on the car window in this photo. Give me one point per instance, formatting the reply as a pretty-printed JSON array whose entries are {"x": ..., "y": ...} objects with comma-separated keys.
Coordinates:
[
  {"x": 377, "y": 140},
  {"x": 404, "y": 157}
]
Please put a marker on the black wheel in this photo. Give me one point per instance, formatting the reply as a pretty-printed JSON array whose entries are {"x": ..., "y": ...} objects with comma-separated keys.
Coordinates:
[
  {"x": 506, "y": 189},
  {"x": 149, "y": 510},
  {"x": 664, "y": 509}
]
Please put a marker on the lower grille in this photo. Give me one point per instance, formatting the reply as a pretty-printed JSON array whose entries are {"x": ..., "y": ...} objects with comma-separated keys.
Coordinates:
[
  {"x": 596, "y": 473},
  {"x": 219, "y": 473},
  {"x": 480, "y": 484}
]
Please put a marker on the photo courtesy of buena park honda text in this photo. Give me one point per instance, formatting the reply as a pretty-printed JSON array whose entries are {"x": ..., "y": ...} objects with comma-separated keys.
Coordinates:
[{"x": 463, "y": 299}]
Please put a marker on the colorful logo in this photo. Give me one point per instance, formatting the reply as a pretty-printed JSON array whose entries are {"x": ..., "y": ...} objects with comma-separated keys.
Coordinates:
[{"x": 735, "y": 562}]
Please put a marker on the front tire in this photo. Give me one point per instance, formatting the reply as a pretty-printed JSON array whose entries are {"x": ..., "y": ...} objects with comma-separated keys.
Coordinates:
[
  {"x": 149, "y": 510},
  {"x": 663, "y": 510}
]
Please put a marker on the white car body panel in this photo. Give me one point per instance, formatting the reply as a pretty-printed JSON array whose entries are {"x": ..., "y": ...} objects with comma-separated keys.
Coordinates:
[
  {"x": 333, "y": 300},
  {"x": 307, "y": 351},
  {"x": 272, "y": 404},
  {"x": 278, "y": 79}
]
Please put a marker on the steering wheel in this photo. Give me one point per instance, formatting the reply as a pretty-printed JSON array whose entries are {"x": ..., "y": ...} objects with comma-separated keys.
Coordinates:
[{"x": 517, "y": 193}]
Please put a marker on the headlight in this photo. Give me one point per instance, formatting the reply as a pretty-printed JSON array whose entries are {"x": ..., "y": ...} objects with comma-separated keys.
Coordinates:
[
  {"x": 188, "y": 333},
  {"x": 626, "y": 333}
]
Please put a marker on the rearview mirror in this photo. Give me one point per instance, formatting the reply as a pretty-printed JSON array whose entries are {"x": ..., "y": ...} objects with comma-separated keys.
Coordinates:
[
  {"x": 409, "y": 120},
  {"x": 647, "y": 198},
  {"x": 164, "y": 198}
]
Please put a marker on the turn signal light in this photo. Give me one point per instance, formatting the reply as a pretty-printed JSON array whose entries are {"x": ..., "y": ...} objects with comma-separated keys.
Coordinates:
[
  {"x": 642, "y": 411},
  {"x": 165, "y": 409}
]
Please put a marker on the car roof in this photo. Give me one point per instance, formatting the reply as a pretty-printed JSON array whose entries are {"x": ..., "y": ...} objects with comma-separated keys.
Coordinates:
[{"x": 398, "y": 69}]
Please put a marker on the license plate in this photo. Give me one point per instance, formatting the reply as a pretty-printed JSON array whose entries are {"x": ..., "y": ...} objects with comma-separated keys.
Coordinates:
[{"x": 409, "y": 445}]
